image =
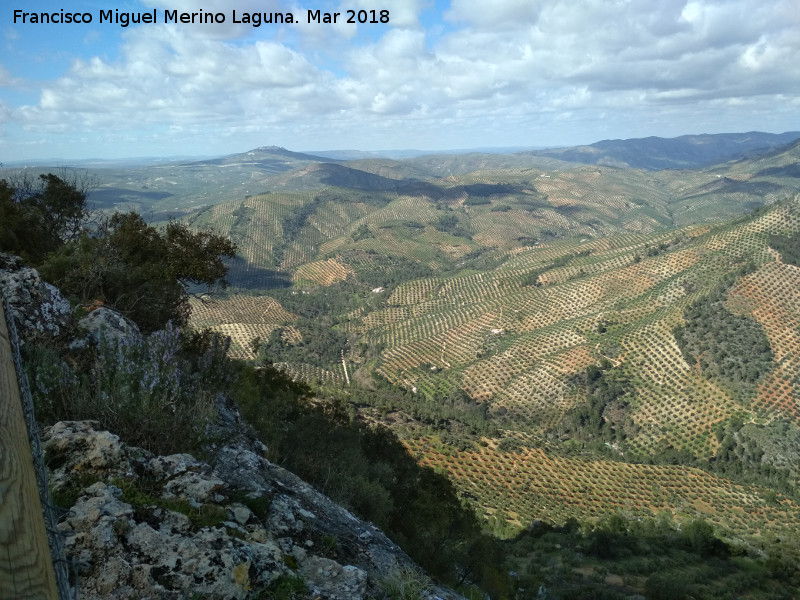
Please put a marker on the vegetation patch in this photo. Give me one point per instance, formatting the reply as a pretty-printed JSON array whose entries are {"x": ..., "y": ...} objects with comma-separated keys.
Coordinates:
[
  {"x": 788, "y": 246},
  {"x": 724, "y": 346},
  {"x": 285, "y": 587},
  {"x": 450, "y": 223},
  {"x": 605, "y": 415},
  {"x": 617, "y": 558},
  {"x": 156, "y": 392},
  {"x": 66, "y": 496},
  {"x": 142, "y": 494},
  {"x": 362, "y": 233},
  {"x": 532, "y": 278}
]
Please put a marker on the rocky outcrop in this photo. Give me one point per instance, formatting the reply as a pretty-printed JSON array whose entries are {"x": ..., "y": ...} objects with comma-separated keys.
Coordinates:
[
  {"x": 150, "y": 526},
  {"x": 40, "y": 311},
  {"x": 38, "y": 308},
  {"x": 105, "y": 323}
]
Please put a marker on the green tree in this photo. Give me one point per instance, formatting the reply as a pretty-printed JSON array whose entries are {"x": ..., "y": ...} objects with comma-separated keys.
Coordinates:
[
  {"x": 142, "y": 271},
  {"x": 10, "y": 218},
  {"x": 699, "y": 536},
  {"x": 39, "y": 215}
]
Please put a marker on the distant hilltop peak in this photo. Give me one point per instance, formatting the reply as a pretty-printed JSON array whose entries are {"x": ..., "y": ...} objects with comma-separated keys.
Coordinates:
[
  {"x": 283, "y": 152},
  {"x": 273, "y": 159}
]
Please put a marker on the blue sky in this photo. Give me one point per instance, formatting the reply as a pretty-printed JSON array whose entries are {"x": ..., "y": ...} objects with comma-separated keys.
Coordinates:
[{"x": 439, "y": 75}]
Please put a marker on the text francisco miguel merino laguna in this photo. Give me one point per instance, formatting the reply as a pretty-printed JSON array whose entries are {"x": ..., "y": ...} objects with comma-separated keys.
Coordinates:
[{"x": 123, "y": 19}]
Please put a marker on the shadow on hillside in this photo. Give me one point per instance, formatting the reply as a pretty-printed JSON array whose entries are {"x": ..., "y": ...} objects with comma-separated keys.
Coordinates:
[
  {"x": 725, "y": 185},
  {"x": 244, "y": 275},
  {"x": 792, "y": 170},
  {"x": 108, "y": 198},
  {"x": 346, "y": 177}
]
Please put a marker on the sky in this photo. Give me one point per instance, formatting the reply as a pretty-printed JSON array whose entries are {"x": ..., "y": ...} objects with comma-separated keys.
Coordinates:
[{"x": 439, "y": 75}]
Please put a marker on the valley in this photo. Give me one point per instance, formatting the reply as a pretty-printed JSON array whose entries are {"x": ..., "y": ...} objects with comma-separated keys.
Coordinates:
[{"x": 529, "y": 313}]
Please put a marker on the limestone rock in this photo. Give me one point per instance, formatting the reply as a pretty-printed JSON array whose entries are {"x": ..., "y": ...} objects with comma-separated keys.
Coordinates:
[
  {"x": 194, "y": 487},
  {"x": 73, "y": 449},
  {"x": 38, "y": 308},
  {"x": 104, "y": 322},
  {"x": 328, "y": 579},
  {"x": 166, "y": 467},
  {"x": 175, "y": 527},
  {"x": 241, "y": 514}
]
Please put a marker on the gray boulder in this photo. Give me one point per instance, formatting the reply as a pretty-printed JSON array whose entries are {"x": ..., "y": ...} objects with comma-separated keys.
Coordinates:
[
  {"x": 105, "y": 323},
  {"x": 38, "y": 308}
]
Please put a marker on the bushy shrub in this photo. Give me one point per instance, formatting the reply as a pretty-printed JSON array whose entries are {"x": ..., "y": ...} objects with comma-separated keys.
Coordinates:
[
  {"x": 156, "y": 391},
  {"x": 404, "y": 584},
  {"x": 666, "y": 586},
  {"x": 55, "y": 387}
]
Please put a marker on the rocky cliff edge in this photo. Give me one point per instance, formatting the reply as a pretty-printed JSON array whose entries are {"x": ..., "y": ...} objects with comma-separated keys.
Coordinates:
[{"x": 148, "y": 526}]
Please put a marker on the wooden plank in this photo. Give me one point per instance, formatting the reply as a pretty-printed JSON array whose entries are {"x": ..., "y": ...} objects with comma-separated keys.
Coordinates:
[{"x": 26, "y": 568}]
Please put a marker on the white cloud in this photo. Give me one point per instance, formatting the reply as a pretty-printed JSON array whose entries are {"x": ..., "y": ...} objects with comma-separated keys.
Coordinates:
[
  {"x": 496, "y": 14},
  {"x": 10, "y": 34},
  {"x": 5, "y": 114},
  {"x": 511, "y": 67},
  {"x": 171, "y": 76}
]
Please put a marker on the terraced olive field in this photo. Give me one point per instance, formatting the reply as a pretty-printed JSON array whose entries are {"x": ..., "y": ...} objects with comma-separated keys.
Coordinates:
[
  {"x": 242, "y": 318},
  {"x": 559, "y": 303},
  {"x": 529, "y": 483}
]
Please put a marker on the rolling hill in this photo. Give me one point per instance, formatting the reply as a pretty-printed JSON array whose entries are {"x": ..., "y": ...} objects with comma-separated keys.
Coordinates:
[
  {"x": 163, "y": 189},
  {"x": 391, "y": 208},
  {"x": 544, "y": 326}
]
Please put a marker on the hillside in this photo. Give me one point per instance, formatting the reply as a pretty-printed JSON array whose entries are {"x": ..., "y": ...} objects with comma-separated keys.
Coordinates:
[
  {"x": 323, "y": 217},
  {"x": 536, "y": 319},
  {"x": 517, "y": 338}
]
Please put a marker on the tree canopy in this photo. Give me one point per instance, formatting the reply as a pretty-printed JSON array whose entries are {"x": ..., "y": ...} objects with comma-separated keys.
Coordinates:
[
  {"x": 38, "y": 215},
  {"x": 141, "y": 270}
]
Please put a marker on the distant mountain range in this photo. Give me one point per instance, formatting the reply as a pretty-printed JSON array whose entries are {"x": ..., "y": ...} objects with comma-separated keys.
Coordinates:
[
  {"x": 164, "y": 188},
  {"x": 684, "y": 152},
  {"x": 650, "y": 153},
  {"x": 411, "y": 153}
]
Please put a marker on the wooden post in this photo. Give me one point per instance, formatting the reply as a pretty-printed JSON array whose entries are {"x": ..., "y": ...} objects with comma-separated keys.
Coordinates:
[{"x": 26, "y": 568}]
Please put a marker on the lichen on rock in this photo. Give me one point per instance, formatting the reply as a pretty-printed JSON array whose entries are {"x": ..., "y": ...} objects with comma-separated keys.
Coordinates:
[
  {"x": 105, "y": 323},
  {"x": 38, "y": 308},
  {"x": 173, "y": 526}
]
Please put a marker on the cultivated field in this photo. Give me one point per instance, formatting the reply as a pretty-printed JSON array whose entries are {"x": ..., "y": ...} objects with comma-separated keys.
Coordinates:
[{"x": 507, "y": 287}]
